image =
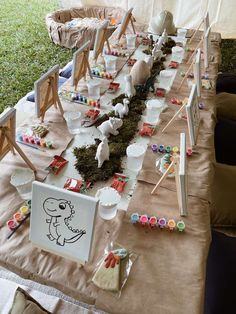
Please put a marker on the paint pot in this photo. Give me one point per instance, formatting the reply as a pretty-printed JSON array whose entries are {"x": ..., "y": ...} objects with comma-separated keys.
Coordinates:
[
  {"x": 134, "y": 218},
  {"x": 162, "y": 223},
  {"x": 110, "y": 63},
  {"x": 180, "y": 226},
  {"x": 143, "y": 219},
  {"x": 18, "y": 217},
  {"x": 135, "y": 153},
  {"x": 153, "y": 221},
  {"x": 94, "y": 89},
  {"x": 12, "y": 224},
  {"x": 73, "y": 121},
  {"x": 108, "y": 201},
  {"x": 22, "y": 180},
  {"x": 131, "y": 41},
  {"x": 24, "y": 210},
  {"x": 171, "y": 224}
]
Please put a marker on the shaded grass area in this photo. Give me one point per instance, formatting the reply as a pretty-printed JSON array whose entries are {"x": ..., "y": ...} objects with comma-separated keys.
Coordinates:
[
  {"x": 228, "y": 49},
  {"x": 26, "y": 51}
]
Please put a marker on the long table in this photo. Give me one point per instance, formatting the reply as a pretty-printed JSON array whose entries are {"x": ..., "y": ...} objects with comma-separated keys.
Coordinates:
[{"x": 169, "y": 272}]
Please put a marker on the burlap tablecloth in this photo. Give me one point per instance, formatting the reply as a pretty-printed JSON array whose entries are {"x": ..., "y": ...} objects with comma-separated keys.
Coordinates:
[{"x": 168, "y": 275}]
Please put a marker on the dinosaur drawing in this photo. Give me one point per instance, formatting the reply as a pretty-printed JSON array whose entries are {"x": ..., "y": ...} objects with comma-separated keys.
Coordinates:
[{"x": 61, "y": 212}]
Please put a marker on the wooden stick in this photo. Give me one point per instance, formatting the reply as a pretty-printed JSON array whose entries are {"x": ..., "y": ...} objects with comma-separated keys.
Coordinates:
[
  {"x": 175, "y": 115},
  {"x": 195, "y": 32},
  {"x": 198, "y": 46},
  {"x": 132, "y": 24},
  {"x": 185, "y": 76},
  {"x": 163, "y": 176}
]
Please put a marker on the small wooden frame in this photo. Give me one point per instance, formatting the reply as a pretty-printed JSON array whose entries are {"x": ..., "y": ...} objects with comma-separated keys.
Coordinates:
[
  {"x": 197, "y": 72},
  {"x": 7, "y": 136},
  {"x": 206, "y": 47},
  {"x": 81, "y": 64},
  {"x": 193, "y": 115},
  {"x": 125, "y": 22},
  {"x": 46, "y": 92},
  {"x": 179, "y": 165},
  {"x": 101, "y": 37}
]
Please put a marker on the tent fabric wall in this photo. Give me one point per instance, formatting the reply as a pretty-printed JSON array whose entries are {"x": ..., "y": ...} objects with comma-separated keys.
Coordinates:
[{"x": 187, "y": 14}]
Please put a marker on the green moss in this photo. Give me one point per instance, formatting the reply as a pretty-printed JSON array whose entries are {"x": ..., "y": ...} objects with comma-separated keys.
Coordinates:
[
  {"x": 228, "y": 48},
  {"x": 85, "y": 156}
]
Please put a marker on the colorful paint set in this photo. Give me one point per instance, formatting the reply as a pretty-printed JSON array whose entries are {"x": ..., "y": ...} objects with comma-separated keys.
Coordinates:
[
  {"x": 155, "y": 222},
  {"x": 18, "y": 218},
  {"x": 24, "y": 138},
  {"x": 102, "y": 74}
]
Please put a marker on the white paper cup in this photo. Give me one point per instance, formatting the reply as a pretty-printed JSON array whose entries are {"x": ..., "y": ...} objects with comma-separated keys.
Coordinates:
[
  {"x": 94, "y": 89},
  {"x": 108, "y": 200},
  {"x": 181, "y": 32},
  {"x": 110, "y": 62},
  {"x": 154, "y": 109},
  {"x": 22, "y": 180},
  {"x": 135, "y": 154},
  {"x": 73, "y": 121},
  {"x": 177, "y": 54},
  {"x": 131, "y": 41}
]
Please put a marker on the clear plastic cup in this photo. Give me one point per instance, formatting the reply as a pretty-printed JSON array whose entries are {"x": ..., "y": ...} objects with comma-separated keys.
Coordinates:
[
  {"x": 94, "y": 89},
  {"x": 73, "y": 121},
  {"x": 177, "y": 54},
  {"x": 110, "y": 62},
  {"x": 108, "y": 201},
  {"x": 154, "y": 109},
  {"x": 165, "y": 79},
  {"x": 135, "y": 154},
  {"x": 22, "y": 180},
  {"x": 181, "y": 32},
  {"x": 131, "y": 41}
]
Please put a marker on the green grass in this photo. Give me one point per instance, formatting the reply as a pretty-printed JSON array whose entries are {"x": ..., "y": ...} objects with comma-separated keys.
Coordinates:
[
  {"x": 26, "y": 51},
  {"x": 228, "y": 48}
]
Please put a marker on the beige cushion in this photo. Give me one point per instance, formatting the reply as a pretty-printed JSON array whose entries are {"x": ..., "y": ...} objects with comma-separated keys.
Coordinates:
[
  {"x": 226, "y": 105},
  {"x": 223, "y": 207},
  {"x": 23, "y": 303}
]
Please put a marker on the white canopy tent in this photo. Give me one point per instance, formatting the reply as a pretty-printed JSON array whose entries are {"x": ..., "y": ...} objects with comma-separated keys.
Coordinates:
[{"x": 187, "y": 14}]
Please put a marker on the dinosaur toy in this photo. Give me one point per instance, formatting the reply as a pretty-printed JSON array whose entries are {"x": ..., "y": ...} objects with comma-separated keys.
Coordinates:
[
  {"x": 149, "y": 84},
  {"x": 122, "y": 109},
  {"x": 61, "y": 213}
]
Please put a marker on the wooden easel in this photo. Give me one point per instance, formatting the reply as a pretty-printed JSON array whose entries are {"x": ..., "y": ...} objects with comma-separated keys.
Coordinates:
[
  {"x": 176, "y": 114},
  {"x": 6, "y": 137},
  {"x": 196, "y": 30},
  {"x": 192, "y": 55},
  {"x": 127, "y": 19},
  {"x": 102, "y": 37},
  {"x": 179, "y": 164},
  {"x": 51, "y": 89},
  {"x": 186, "y": 75},
  {"x": 174, "y": 164},
  {"x": 83, "y": 68}
]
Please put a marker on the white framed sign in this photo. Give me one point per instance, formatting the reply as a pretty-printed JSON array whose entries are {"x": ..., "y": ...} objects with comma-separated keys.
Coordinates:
[
  {"x": 193, "y": 115},
  {"x": 62, "y": 221},
  {"x": 206, "y": 47},
  {"x": 181, "y": 178},
  {"x": 197, "y": 71}
]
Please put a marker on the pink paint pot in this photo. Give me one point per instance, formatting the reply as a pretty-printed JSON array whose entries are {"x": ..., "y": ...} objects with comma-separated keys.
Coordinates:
[
  {"x": 153, "y": 221},
  {"x": 25, "y": 138},
  {"x": 162, "y": 223},
  {"x": 12, "y": 224},
  {"x": 18, "y": 216},
  {"x": 143, "y": 219}
]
